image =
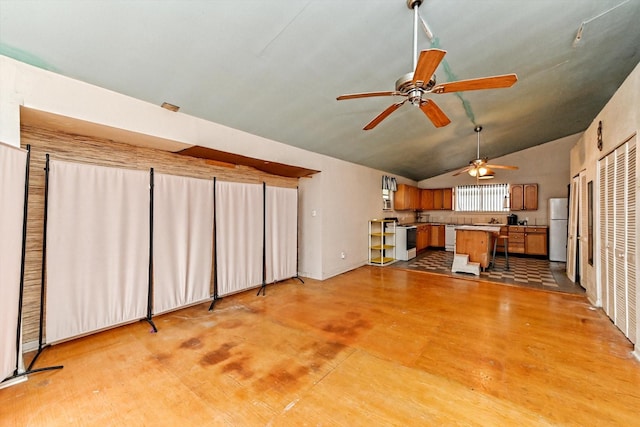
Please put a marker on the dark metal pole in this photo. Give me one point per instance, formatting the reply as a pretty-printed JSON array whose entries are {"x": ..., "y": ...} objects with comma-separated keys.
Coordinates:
[
  {"x": 215, "y": 251},
  {"x": 43, "y": 273},
  {"x": 150, "y": 292},
  {"x": 23, "y": 256}
]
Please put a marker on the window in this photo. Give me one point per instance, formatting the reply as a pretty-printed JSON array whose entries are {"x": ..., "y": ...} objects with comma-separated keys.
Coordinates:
[
  {"x": 387, "y": 200},
  {"x": 389, "y": 185},
  {"x": 482, "y": 198}
]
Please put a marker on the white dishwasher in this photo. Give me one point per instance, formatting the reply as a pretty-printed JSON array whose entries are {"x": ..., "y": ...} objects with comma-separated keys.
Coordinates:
[{"x": 450, "y": 237}]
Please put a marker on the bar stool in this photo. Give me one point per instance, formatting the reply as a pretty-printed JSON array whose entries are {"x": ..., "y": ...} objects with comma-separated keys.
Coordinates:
[{"x": 505, "y": 238}]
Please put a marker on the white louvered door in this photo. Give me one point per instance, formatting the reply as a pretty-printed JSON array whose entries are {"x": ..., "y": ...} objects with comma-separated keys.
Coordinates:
[
  {"x": 618, "y": 235},
  {"x": 572, "y": 237},
  {"x": 632, "y": 243},
  {"x": 583, "y": 229}
]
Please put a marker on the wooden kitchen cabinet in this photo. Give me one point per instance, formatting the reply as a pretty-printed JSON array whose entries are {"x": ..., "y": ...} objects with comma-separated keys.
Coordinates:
[
  {"x": 422, "y": 237},
  {"x": 516, "y": 239},
  {"x": 414, "y": 198},
  {"x": 426, "y": 199},
  {"x": 524, "y": 197},
  {"x": 436, "y": 199},
  {"x": 447, "y": 198},
  {"x": 401, "y": 198},
  {"x": 443, "y": 199},
  {"x": 407, "y": 197},
  {"x": 475, "y": 243},
  {"x": 528, "y": 240},
  {"x": 535, "y": 241},
  {"x": 436, "y": 236}
]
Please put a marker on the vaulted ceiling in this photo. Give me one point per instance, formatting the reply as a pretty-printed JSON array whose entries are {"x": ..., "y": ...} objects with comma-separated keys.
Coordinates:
[{"x": 274, "y": 67}]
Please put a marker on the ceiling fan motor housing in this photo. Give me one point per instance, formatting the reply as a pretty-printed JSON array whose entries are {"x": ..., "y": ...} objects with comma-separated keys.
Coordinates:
[{"x": 413, "y": 91}]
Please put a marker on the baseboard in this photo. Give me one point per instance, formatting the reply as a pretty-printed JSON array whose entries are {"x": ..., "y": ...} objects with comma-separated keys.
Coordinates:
[
  {"x": 29, "y": 346},
  {"x": 13, "y": 381}
]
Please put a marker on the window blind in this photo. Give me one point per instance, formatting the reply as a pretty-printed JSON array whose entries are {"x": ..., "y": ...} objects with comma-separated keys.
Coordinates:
[{"x": 482, "y": 198}]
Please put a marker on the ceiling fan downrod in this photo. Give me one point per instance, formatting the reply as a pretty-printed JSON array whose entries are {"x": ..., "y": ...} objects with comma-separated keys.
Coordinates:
[
  {"x": 415, "y": 6},
  {"x": 478, "y": 128},
  {"x": 414, "y": 94}
]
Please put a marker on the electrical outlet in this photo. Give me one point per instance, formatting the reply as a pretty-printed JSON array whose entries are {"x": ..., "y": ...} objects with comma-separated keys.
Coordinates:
[{"x": 343, "y": 255}]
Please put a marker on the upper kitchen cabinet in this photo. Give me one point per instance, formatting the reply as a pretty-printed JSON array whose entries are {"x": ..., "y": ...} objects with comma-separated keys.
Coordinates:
[
  {"x": 426, "y": 199},
  {"x": 524, "y": 197},
  {"x": 443, "y": 199},
  {"x": 436, "y": 199},
  {"x": 407, "y": 197}
]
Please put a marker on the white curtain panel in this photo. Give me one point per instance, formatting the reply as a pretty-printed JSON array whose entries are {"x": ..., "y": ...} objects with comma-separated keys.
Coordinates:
[
  {"x": 182, "y": 241},
  {"x": 281, "y": 233},
  {"x": 239, "y": 234},
  {"x": 12, "y": 179},
  {"x": 97, "y": 248}
]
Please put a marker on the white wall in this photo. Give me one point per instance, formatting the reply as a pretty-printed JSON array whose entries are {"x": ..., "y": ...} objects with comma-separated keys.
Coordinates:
[
  {"x": 345, "y": 196},
  {"x": 546, "y": 165},
  {"x": 620, "y": 120}
]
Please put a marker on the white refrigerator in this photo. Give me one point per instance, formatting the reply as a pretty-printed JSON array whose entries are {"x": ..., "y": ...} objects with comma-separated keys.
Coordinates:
[{"x": 558, "y": 219}]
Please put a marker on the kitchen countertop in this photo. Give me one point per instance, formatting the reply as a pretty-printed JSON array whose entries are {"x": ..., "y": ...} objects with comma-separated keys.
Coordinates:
[
  {"x": 417, "y": 224},
  {"x": 488, "y": 228},
  {"x": 475, "y": 224}
]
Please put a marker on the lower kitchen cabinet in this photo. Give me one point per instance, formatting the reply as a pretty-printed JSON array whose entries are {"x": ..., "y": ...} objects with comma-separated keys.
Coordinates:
[
  {"x": 422, "y": 237},
  {"x": 437, "y": 238},
  {"x": 516, "y": 240},
  {"x": 528, "y": 240},
  {"x": 535, "y": 241}
]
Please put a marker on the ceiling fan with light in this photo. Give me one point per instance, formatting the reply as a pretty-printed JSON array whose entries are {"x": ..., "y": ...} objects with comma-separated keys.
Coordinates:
[
  {"x": 422, "y": 81},
  {"x": 479, "y": 168}
]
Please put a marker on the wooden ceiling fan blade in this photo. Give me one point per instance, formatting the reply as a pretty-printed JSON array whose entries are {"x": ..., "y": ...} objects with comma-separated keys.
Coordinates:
[
  {"x": 434, "y": 113},
  {"x": 502, "y": 167},
  {"x": 380, "y": 117},
  {"x": 427, "y": 63},
  {"x": 463, "y": 170},
  {"x": 494, "y": 82},
  {"x": 367, "y": 95}
]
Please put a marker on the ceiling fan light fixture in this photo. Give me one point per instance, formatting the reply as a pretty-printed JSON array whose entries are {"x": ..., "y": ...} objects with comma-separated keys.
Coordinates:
[
  {"x": 473, "y": 172},
  {"x": 488, "y": 175}
]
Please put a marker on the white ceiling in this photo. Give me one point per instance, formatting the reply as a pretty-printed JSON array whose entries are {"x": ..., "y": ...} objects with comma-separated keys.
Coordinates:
[{"x": 274, "y": 67}]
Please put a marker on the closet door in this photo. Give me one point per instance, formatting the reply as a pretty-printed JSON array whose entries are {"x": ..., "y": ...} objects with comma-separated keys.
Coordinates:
[
  {"x": 572, "y": 238},
  {"x": 625, "y": 240},
  {"x": 618, "y": 233},
  {"x": 583, "y": 230},
  {"x": 632, "y": 244},
  {"x": 605, "y": 176}
]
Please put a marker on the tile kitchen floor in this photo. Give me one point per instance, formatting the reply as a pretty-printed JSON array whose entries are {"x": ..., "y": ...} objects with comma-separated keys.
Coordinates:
[{"x": 523, "y": 271}]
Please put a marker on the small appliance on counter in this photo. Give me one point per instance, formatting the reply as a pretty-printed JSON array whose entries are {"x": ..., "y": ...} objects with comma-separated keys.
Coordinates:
[{"x": 512, "y": 219}]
